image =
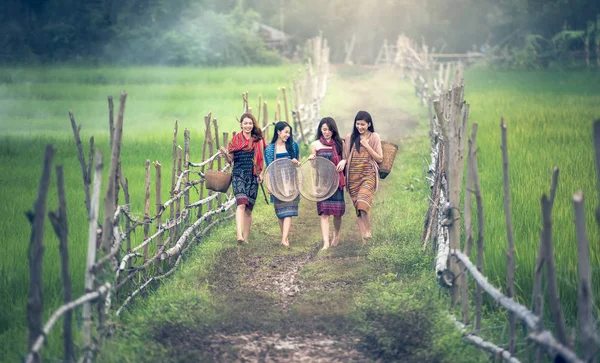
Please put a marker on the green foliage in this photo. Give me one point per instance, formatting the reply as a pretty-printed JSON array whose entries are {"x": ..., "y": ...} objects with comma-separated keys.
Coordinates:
[
  {"x": 200, "y": 37},
  {"x": 180, "y": 32},
  {"x": 527, "y": 56},
  {"x": 597, "y": 31}
]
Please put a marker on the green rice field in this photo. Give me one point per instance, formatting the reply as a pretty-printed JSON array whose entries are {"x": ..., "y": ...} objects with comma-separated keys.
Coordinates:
[
  {"x": 550, "y": 118},
  {"x": 34, "y": 106}
]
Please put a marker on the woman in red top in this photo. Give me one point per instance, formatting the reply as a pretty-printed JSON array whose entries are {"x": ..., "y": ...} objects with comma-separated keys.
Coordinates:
[{"x": 246, "y": 151}]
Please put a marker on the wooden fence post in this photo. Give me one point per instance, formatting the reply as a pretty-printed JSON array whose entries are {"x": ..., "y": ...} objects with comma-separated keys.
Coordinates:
[
  {"x": 468, "y": 226},
  {"x": 80, "y": 155},
  {"x": 111, "y": 119},
  {"x": 278, "y": 107},
  {"x": 172, "y": 231},
  {"x": 510, "y": 253},
  {"x": 204, "y": 146},
  {"x": 91, "y": 257},
  {"x": 210, "y": 144},
  {"x": 218, "y": 147},
  {"x": 265, "y": 120},
  {"x": 110, "y": 197},
  {"x": 125, "y": 186},
  {"x": 159, "y": 242},
  {"x": 186, "y": 165},
  {"x": 453, "y": 115},
  {"x": 587, "y": 327},
  {"x": 245, "y": 102},
  {"x": 178, "y": 201},
  {"x": 147, "y": 208},
  {"x": 285, "y": 106},
  {"x": 538, "y": 289},
  {"x": 555, "y": 305},
  {"x": 480, "y": 225},
  {"x": 597, "y": 151},
  {"x": 173, "y": 170},
  {"x": 259, "y": 109},
  {"x": 35, "y": 301},
  {"x": 226, "y": 140},
  {"x": 58, "y": 219}
]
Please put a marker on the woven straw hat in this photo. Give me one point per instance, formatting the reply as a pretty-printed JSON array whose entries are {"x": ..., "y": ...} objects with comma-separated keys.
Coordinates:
[
  {"x": 318, "y": 179},
  {"x": 281, "y": 178}
]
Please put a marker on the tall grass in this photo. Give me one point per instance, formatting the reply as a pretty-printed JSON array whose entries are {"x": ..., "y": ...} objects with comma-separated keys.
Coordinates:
[
  {"x": 549, "y": 117},
  {"x": 34, "y": 105}
]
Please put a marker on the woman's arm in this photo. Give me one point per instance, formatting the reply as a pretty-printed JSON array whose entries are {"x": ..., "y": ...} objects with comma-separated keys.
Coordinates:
[
  {"x": 226, "y": 154},
  {"x": 346, "y": 147},
  {"x": 269, "y": 154},
  {"x": 296, "y": 150},
  {"x": 313, "y": 151},
  {"x": 377, "y": 153}
]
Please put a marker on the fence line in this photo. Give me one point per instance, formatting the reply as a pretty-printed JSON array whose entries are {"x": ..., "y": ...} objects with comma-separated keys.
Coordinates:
[
  {"x": 448, "y": 126},
  {"x": 118, "y": 260}
]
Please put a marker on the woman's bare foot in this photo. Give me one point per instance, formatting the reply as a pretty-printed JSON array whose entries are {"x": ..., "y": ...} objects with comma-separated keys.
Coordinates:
[
  {"x": 336, "y": 240},
  {"x": 325, "y": 246},
  {"x": 366, "y": 239},
  {"x": 285, "y": 243}
]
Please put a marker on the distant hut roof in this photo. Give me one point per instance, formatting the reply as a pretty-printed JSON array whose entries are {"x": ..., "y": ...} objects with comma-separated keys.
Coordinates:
[{"x": 272, "y": 34}]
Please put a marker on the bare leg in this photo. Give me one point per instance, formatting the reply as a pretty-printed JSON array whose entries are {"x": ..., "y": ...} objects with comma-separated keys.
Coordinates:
[
  {"x": 280, "y": 225},
  {"x": 337, "y": 226},
  {"x": 247, "y": 224},
  {"x": 287, "y": 225},
  {"x": 364, "y": 224},
  {"x": 367, "y": 218},
  {"x": 361, "y": 226},
  {"x": 240, "y": 213},
  {"x": 325, "y": 231}
]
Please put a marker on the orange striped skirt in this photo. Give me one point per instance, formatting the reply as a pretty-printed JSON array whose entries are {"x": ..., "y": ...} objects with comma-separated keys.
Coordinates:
[{"x": 361, "y": 180}]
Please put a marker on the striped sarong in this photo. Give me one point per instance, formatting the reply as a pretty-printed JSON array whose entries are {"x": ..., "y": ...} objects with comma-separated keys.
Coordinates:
[
  {"x": 334, "y": 205},
  {"x": 361, "y": 180}
]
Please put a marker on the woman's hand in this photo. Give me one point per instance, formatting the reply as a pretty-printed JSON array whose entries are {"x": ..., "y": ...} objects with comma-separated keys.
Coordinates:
[
  {"x": 311, "y": 157},
  {"x": 295, "y": 161},
  {"x": 364, "y": 142},
  {"x": 341, "y": 165},
  {"x": 224, "y": 150},
  {"x": 260, "y": 179}
]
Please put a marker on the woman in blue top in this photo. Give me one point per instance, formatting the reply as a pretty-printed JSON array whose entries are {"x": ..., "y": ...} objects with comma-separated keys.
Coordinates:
[{"x": 283, "y": 146}]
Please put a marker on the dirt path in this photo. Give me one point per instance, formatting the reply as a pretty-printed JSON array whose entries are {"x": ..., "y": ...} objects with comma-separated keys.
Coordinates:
[{"x": 292, "y": 304}]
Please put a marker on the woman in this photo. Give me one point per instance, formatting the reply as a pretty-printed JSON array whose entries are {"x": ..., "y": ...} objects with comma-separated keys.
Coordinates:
[
  {"x": 283, "y": 146},
  {"x": 362, "y": 152},
  {"x": 328, "y": 144},
  {"x": 246, "y": 152}
]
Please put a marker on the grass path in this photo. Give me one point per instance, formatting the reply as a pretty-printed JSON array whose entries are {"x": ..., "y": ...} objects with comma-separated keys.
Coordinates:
[{"x": 267, "y": 303}]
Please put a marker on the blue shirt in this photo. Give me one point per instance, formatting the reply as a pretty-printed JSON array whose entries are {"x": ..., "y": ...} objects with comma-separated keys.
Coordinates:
[{"x": 270, "y": 152}]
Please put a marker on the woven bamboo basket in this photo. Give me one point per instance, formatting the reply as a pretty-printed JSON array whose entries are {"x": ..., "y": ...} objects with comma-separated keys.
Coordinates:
[
  {"x": 217, "y": 181},
  {"x": 389, "y": 154}
]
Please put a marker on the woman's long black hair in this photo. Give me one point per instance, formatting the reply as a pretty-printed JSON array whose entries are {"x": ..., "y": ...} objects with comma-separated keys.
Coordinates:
[
  {"x": 335, "y": 135},
  {"x": 355, "y": 138},
  {"x": 290, "y": 141}
]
